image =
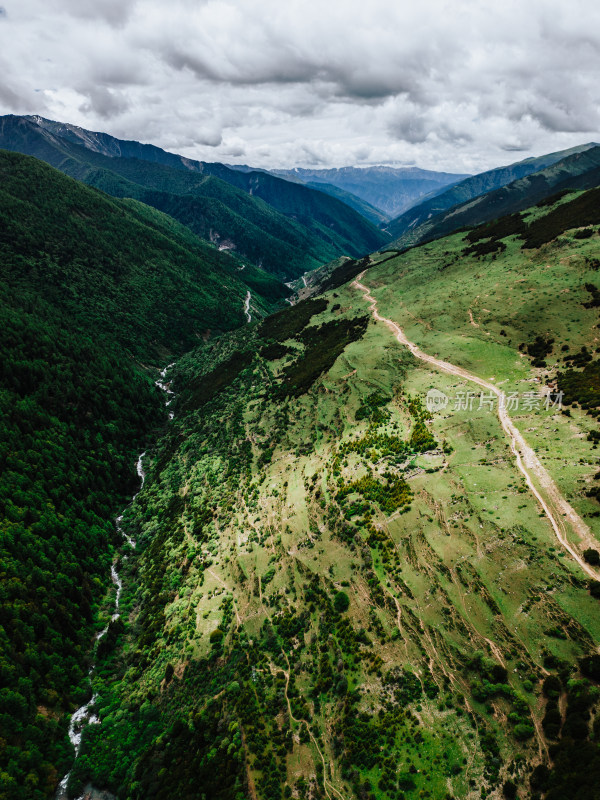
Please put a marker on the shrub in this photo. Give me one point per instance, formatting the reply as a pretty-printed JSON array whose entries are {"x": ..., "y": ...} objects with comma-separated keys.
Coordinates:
[
  {"x": 575, "y": 727},
  {"x": 539, "y": 778},
  {"x": 509, "y": 790},
  {"x": 590, "y": 666},
  {"x": 523, "y": 731},
  {"x": 594, "y": 587},
  {"x": 592, "y": 556},
  {"x": 584, "y": 233},
  {"x": 341, "y": 602}
]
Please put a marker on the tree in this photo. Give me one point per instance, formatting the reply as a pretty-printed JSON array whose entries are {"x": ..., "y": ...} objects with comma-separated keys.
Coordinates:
[
  {"x": 509, "y": 790},
  {"x": 594, "y": 587},
  {"x": 341, "y": 602},
  {"x": 590, "y": 666}
]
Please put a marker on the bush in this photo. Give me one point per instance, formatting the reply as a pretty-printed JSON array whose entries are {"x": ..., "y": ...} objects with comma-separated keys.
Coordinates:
[
  {"x": 509, "y": 790},
  {"x": 575, "y": 727},
  {"x": 523, "y": 731},
  {"x": 590, "y": 666},
  {"x": 592, "y": 556},
  {"x": 539, "y": 778},
  {"x": 584, "y": 233},
  {"x": 341, "y": 602}
]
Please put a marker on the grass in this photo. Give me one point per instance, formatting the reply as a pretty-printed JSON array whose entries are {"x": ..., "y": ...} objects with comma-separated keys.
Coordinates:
[
  {"x": 470, "y": 575},
  {"x": 431, "y": 292}
]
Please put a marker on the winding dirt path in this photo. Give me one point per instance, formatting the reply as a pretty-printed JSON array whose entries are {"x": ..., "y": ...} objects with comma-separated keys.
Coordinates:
[{"x": 556, "y": 508}]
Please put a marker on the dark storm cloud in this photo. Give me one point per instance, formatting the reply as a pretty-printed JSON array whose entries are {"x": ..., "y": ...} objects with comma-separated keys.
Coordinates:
[{"x": 439, "y": 83}]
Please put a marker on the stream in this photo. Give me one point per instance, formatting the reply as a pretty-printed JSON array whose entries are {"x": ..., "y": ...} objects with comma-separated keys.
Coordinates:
[
  {"x": 247, "y": 307},
  {"x": 85, "y": 715}
]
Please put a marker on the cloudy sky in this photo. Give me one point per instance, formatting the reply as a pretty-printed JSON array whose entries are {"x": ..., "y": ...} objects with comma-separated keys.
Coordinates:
[{"x": 458, "y": 86}]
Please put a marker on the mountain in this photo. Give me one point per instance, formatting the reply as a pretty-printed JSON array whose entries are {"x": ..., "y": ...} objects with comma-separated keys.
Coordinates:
[
  {"x": 258, "y": 183},
  {"x": 366, "y": 210},
  {"x": 96, "y": 294},
  {"x": 283, "y": 227},
  {"x": 204, "y": 287},
  {"x": 367, "y": 560},
  {"x": 343, "y": 589},
  {"x": 389, "y": 189},
  {"x": 473, "y": 187}
]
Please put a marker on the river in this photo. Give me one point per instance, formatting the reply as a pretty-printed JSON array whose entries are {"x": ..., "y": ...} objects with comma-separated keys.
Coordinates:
[
  {"x": 86, "y": 715},
  {"x": 247, "y": 307}
]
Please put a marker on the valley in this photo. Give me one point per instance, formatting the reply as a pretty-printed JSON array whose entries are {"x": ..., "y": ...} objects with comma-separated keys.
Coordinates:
[
  {"x": 363, "y": 562},
  {"x": 380, "y": 598},
  {"x": 280, "y": 227}
]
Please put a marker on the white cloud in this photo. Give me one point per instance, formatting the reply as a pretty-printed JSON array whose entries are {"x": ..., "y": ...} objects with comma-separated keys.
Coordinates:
[{"x": 452, "y": 85}]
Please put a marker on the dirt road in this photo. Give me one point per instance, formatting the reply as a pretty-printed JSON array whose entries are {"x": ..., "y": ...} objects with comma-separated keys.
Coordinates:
[{"x": 556, "y": 508}]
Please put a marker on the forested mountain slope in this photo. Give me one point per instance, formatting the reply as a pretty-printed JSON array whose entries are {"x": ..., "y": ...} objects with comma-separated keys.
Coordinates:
[
  {"x": 419, "y": 222},
  {"x": 364, "y": 208},
  {"x": 290, "y": 200},
  {"x": 283, "y": 227},
  {"x": 341, "y": 593},
  {"x": 94, "y": 294},
  {"x": 389, "y": 189}
]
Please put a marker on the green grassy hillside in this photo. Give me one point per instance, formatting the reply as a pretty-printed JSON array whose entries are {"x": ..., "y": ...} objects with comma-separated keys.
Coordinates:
[
  {"x": 95, "y": 294},
  {"x": 483, "y": 197},
  {"x": 341, "y": 594}
]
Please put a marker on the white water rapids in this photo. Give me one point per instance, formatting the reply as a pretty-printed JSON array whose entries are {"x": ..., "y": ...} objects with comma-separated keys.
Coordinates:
[
  {"x": 85, "y": 714},
  {"x": 247, "y": 307},
  {"x": 166, "y": 387}
]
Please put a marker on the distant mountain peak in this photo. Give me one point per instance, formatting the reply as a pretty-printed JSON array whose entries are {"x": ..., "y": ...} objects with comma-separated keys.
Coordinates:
[{"x": 389, "y": 189}]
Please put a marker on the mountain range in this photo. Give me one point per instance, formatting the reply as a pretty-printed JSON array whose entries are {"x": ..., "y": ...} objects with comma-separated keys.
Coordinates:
[
  {"x": 389, "y": 189},
  {"x": 283, "y": 227},
  {"x": 341, "y": 543},
  {"x": 292, "y": 225},
  {"x": 453, "y": 207}
]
